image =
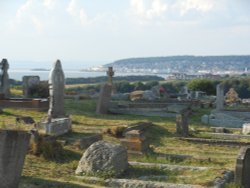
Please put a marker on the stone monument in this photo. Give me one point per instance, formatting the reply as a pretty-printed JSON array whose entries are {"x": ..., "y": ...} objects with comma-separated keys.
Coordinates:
[
  {"x": 4, "y": 79},
  {"x": 13, "y": 149},
  {"x": 110, "y": 74},
  {"x": 28, "y": 82},
  {"x": 219, "y": 97},
  {"x": 57, "y": 122},
  {"x": 104, "y": 99},
  {"x": 242, "y": 170},
  {"x": 182, "y": 124}
]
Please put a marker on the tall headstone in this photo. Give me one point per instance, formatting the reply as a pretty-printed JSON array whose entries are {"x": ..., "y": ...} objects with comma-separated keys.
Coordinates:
[
  {"x": 57, "y": 122},
  {"x": 219, "y": 97},
  {"x": 104, "y": 99},
  {"x": 182, "y": 124},
  {"x": 56, "y": 91},
  {"x": 28, "y": 82},
  {"x": 242, "y": 170},
  {"x": 13, "y": 149},
  {"x": 4, "y": 79}
]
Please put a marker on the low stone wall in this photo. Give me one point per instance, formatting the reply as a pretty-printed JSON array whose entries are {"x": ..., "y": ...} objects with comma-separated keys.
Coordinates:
[{"x": 31, "y": 104}]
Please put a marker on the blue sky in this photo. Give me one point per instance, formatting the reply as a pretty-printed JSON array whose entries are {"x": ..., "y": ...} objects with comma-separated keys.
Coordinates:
[{"x": 97, "y": 31}]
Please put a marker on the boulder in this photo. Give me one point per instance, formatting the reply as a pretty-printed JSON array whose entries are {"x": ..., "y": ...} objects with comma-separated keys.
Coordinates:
[
  {"x": 149, "y": 96},
  {"x": 104, "y": 157}
]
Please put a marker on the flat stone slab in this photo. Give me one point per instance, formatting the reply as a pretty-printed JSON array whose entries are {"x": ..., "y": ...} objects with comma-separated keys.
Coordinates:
[
  {"x": 215, "y": 141},
  {"x": 124, "y": 183},
  {"x": 168, "y": 166},
  {"x": 227, "y": 136}
]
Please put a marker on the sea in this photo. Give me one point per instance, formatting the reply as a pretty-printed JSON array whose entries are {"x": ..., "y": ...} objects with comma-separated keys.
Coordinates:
[{"x": 17, "y": 74}]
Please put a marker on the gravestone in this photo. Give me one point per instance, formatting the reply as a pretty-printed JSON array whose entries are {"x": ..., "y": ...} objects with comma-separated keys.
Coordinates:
[
  {"x": 182, "y": 124},
  {"x": 242, "y": 170},
  {"x": 4, "y": 79},
  {"x": 28, "y": 82},
  {"x": 57, "y": 122},
  {"x": 110, "y": 74},
  {"x": 56, "y": 91},
  {"x": 104, "y": 99},
  {"x": 13, "y": 148},
  {"x": 219, "y": 97},
  {"x": 103, "y": 157}
]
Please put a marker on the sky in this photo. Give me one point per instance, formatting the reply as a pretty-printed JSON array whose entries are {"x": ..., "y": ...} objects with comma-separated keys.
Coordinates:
[{"x": 91, "y": 32}]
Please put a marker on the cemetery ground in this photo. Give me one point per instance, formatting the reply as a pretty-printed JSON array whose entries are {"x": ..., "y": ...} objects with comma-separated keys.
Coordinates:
[{"x": 165, "y": 148}]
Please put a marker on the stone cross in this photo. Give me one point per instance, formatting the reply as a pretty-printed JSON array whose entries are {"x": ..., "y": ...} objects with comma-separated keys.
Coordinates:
[
  {"x": 4, "y": 78},
  {"x": 110, "y": 74},
  {"x": 242, "y": 170},
  {"x": 56, "y": 91},
  {"x": 219, "y": 97}
]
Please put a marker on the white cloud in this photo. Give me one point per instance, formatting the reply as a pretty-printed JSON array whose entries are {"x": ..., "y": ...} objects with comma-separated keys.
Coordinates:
[
  {"x": 24, "y": 9},
  {"x": 50, "y": 4},
  {"x": 156, "y": 9},
  {"x": 77, "y": 12},
  {"x": 38, "y": 24},
  {"x": 189, "y": 5}
]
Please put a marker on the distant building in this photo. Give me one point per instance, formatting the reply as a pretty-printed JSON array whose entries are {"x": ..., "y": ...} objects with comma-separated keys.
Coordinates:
[{"x": 183, "y": 76}]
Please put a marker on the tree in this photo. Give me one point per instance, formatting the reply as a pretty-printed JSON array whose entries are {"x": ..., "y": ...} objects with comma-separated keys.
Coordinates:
[{"x": 204, "y": 85}]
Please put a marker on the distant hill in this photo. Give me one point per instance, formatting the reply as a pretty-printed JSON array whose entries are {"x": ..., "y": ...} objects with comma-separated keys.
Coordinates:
[{"x": 185, "y": 64}]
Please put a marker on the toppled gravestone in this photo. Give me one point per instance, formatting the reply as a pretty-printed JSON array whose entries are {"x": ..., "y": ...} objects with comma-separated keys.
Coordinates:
[{"x": 103, "y": 157}]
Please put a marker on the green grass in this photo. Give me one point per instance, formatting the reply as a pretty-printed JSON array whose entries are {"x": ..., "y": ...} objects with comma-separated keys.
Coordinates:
[{"x": 162, "y": 137}]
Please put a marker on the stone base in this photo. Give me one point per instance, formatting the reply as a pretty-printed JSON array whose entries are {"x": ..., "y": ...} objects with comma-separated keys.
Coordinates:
[
  {"x": 132, "y": 145},
  {"x": 57, "y": 127}
]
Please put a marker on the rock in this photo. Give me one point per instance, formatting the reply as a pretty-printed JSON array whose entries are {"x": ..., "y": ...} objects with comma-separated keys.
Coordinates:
[
  {"x": 246, "y": 128},
  {"x": 25, "y": 119},
  {"x": 103, "y": 157},
  {"x": 149, "y": 96},
  {"x": 120, "y": 96}
]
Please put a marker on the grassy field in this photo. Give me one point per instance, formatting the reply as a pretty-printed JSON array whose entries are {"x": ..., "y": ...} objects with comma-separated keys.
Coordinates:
[{"x": 39, "y": 172}]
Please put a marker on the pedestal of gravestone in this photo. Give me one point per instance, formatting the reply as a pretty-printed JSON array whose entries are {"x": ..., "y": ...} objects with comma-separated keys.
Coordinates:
[
  {"x": 242, "y": 171},
  {"x": 182, "y": 124},
  {"x": 56, "y": 127},
  {"x": 13, "y": 148},
  {"x": 104, "y": 99},
  {"x": 219, "y": 97},
  {"x": 28, "y": 82}
]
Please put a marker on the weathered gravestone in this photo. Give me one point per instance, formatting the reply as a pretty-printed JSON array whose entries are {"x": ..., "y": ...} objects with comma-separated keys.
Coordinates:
[
  {"x": 242, "y": 171},
  {"x": 182, "y": 124},
  {"x": 4, "y": 79},
  {"x": 28, "y": 83},
  {"x": 103, "y": 157},
  {"x": 57, "y": 122},
  {"x": 136, "y": 140},
  {"x": 13, "y": 148},
  {"x": 104, "y": 99},
  {"x": 219, "y": 97}
]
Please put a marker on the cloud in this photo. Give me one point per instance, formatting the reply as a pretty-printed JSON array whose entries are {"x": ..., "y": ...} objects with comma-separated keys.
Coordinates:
[
  {"x": 24, "y": 9},
  {"x": 156, "y": 9},
  {"x": 77, "y": 12},
  {"x": 203, "y": 6},
  {"x": 49, "y": 4}
]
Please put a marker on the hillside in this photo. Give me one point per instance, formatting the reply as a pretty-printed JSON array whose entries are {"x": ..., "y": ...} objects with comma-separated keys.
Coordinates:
[{"x": 186, "y": 64}]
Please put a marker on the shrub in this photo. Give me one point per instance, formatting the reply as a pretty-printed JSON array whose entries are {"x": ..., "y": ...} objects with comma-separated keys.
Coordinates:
[{"x": 40, "y": 90}]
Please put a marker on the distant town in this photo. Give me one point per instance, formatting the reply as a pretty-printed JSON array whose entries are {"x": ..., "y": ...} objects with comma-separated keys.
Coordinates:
[{"x": 182, "y": 67}]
